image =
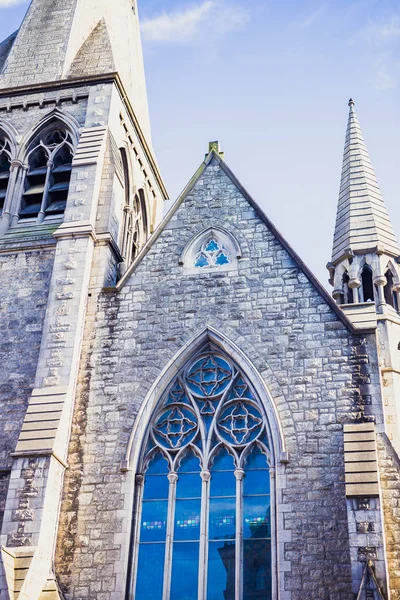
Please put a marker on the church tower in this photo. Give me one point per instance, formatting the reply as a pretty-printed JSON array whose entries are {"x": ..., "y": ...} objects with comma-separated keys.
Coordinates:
[
  {"x": 80, "y": 194},
  {"x": 364, "y": 269}
]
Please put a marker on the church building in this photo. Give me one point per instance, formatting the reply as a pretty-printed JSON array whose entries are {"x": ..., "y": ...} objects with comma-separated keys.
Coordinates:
[{"x": 185, "y": 412}]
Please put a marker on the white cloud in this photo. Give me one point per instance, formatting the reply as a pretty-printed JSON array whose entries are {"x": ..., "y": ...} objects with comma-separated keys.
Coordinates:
[
  {"x": 383, "y": 71},
  {"x": 210, "y": 18},
  {"x": 384, "y": 37},
  {"x": 6, "y": 3},
  {"x": 383, "y": 32}
]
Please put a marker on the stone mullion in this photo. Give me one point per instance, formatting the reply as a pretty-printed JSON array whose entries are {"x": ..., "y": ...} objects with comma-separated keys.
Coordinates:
[
  {"x": 6, "y": 216},
  {"x": 203, "y": 563},
  {"x": 42, "y": 213},
  {"x": 137, "y": 517},
  {"x": 172, "y": 478},
  {"x": 239, "y": 474}
]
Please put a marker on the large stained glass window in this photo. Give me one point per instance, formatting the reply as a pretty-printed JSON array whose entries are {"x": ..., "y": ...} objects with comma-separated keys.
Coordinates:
[{"x": 204, "y": 512}]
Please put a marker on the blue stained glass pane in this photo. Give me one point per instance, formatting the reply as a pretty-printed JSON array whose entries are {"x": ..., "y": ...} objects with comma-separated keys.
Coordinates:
[
  {"x": 256, "y": 517},
  {"x": 156, "y": 487},
  {"x": 201, "y": 261},
  {"x": 185, "y": 568},
  {"x": 223, "y": 483},
  {"x": 221, "y": 570},
  {"x": 222, "y": 524},
  {"x": 256, "y": 460},
  {"x": 257, "y": 579},
  {"x": 187, "y": 520},
  {"x": 189, "y": 463},
  {"x": 189, "y": 485},
  {"x": 223, "y": 461},
  {"x": 154, "y": 521},
  {"x": 158, "y": 465},
  {"x": 209, "y": 376},
  {"x": 222, "y": 259},
  {"x": 212, "y": 246},
  {"x": 256, "y": 482},
  {"x": 150, "y": 572}
]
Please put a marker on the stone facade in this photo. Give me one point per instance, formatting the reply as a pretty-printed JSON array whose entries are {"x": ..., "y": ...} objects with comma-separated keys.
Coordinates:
[
  {"x": 308, "y": 359},
  {"x": 23, "y": 305},
  {"x": 102, "y": 306}
]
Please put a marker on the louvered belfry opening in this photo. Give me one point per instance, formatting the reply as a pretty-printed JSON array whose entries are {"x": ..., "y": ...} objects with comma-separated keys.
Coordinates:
[
  {"x": 4, "y": 171},
  {"x": 48, "y": 176}
]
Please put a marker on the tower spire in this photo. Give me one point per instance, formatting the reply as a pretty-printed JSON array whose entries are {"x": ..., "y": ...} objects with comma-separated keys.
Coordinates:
[{"x": 362, "y": 221}]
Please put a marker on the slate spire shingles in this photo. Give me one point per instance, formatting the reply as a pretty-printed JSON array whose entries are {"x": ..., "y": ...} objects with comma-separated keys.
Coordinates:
[{"x": 362, "y": 221}]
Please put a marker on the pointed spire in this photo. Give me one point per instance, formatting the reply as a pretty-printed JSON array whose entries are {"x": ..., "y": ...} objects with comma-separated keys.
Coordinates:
[{"x": 362, "y": 221}]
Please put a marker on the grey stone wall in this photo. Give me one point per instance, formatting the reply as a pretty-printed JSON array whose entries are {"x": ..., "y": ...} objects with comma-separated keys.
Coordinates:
[
  {"x": 389, "y": 464},
  {"x": 307, "y": 358},
  {"x": 24, "y": 288}
]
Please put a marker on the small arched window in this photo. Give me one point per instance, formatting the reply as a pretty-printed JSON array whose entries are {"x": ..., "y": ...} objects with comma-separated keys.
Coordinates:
[
  {"x": 5, "y": 160},
  {"x": 204, "y": 510},
  {"x": 390, "y": 294},
  {"x": 47, "y": 179},
  {"x": 367, "y": 285},
  {"x": 135, "y": 228},
  {"x": 347, "y": 291},
  {"x": 214, "y": 249},
  {"x": 212, "y": 254}
]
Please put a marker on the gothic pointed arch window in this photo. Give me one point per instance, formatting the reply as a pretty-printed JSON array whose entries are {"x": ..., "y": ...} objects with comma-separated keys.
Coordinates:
[
  {"x": 390, "y": 294},
  {"x": 48, "y": 176},
  {"x": 347, "y": 294},
  {"x": 204, "y": 501},
  {"x": 213, "y": 250},
  {"x": 135, "y": 226},
  {"x": 5, "y": 165},
  {"x": 367, "y": 285}
]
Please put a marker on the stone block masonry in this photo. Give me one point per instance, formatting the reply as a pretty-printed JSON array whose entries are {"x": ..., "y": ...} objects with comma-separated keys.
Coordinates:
[
  {"x": 24, "y": 287},
  {"x": 307, "y": 357}
]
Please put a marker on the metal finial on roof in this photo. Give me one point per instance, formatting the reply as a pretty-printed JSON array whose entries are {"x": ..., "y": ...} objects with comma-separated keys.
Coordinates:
[{"x": 351, "y": 102}]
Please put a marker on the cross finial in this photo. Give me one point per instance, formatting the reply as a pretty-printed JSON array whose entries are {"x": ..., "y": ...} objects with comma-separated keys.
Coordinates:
[{"x": 216, "y": 147}]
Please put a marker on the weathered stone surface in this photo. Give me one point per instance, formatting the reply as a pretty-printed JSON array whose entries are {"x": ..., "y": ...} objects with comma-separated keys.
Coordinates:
[
  {"x": 24, "y": 287},
  {"x": 306, "y": 356}
]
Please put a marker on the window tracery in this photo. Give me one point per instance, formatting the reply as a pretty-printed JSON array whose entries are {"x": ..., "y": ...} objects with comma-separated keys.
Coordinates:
[
  {"x": 212, "y": 254},
  {"x": 5, "y": 166},
  {"x": 48, "y": 176},
  {"x": 135, "y": 229},
  {"x": 205, "y": 506}
]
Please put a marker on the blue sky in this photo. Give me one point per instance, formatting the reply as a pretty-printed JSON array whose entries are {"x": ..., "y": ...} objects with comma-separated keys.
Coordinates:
[{"x": 270, "y": 79}]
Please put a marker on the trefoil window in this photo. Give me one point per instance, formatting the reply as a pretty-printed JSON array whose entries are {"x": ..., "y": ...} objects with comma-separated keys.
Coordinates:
[
  {"x": 204, "y": 506},
  {"x": 212, "y": 254}
]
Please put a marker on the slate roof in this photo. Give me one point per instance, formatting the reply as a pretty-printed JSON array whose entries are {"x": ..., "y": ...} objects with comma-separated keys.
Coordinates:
[{"x": 362, "y": 221}]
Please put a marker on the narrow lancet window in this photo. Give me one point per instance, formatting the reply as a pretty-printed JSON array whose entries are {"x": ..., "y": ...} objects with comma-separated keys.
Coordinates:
[
  {"x": 5, "y": 158},
  {"x": 48, "y": 177},
  {"x": 135, "y": 228},
  {"x": 367, "y": 284},
  {"x": 390, "y": 294},
  {"x": 205, "y": 513},
  {"x": 347, "y": 291}
]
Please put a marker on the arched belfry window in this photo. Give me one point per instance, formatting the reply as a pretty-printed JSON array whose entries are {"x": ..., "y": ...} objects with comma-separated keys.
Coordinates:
[
  {"x": 203, "y": 509},
  {"x": 5, "y": 163},
  {"x": 347, "y": 295},
  {"x": 49, "y": 171},
  {"x": 390, "y": 294},
  {"x": 135, "y": 226},
  {"x": 367, "y": 285}
]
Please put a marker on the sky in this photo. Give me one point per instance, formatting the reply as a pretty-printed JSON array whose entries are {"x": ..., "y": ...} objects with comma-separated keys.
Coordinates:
[{"x": 271, "y": 79}]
